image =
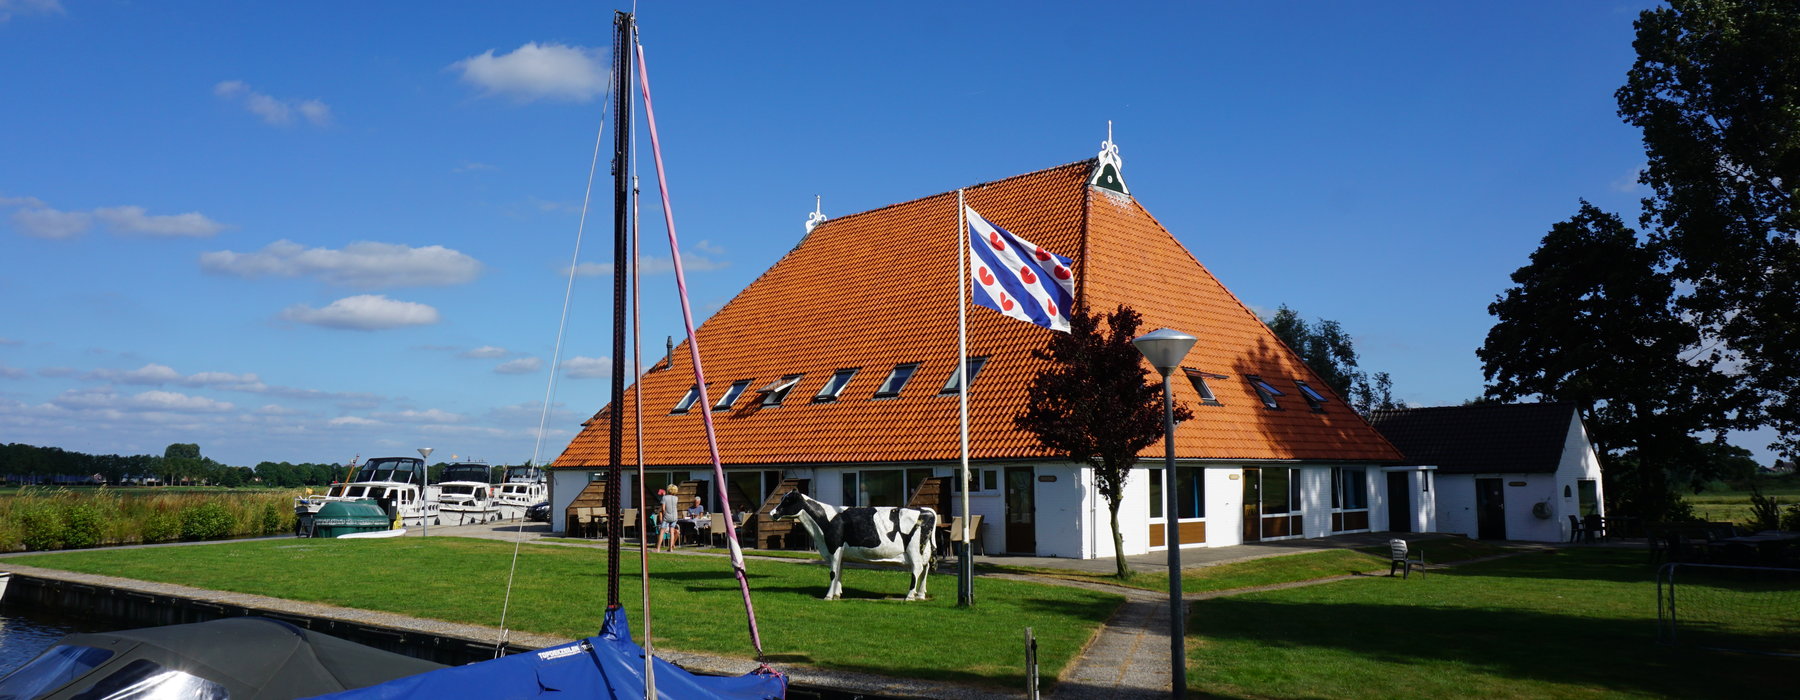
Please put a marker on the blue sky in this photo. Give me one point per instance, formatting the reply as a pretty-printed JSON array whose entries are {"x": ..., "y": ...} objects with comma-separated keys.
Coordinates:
[{"x": 306, "y": 231}]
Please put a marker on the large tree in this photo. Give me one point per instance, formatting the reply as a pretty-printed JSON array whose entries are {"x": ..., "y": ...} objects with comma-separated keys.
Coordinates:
[
  {"x": 1716, "y": 91},
  {"x": 1326, "y": 348},
  {"x": 1592, "y": 320},
  {"x": 1093, "y": 403}
]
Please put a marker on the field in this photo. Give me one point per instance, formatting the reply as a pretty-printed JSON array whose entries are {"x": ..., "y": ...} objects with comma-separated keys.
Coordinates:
[
  {"x": 562, "y": 590},
  {"x": 1727, "y": 504},
  {"x": 49, "y": 518}
]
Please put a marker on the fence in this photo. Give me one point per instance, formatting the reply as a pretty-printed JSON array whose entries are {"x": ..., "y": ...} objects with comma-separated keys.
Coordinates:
[{"x": 1734, "y": 608}]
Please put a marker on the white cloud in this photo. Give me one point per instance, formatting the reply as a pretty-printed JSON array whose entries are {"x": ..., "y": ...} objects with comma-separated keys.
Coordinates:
[
  {"x": 12, "y": 373},
  {"x": 426, "y": 416},
  {"x": 276, "y": 410},
  {"x": 159, "y": 401},
  {"x": 8, "y": 8},
  {"x": 360, "y": 264},
  {"x": 352, "y": 421},
  {"x": 523, "y": 365},
  {"x": 130, "y": 219},
  {"x": 587, "y": 367},
  {"x": 273, "y": 110},
  {"x": 364, "y": 312},
  {"x": 172, "y": 401},
  {"x": 536, "y": 71},
  {"x": 486, "y": 352},
  {"x": 45, "y": 222},
  {"x": 1629, "y": 181}
]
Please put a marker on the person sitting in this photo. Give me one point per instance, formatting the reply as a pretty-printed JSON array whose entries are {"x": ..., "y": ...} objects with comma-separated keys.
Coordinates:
[
  {"x": 695, "y": 517},
  {"x": 696, "y": 511}
]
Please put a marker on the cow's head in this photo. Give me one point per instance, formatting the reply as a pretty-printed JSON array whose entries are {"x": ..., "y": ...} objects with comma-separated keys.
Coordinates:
[{"x": 790, "y": 506}]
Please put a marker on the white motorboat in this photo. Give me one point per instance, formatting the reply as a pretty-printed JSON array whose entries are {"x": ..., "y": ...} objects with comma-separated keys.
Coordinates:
[
  {"x": 396, "y": 483},
  {"x": 523, "y": 487},
  {"x": 465, "y": 494}
]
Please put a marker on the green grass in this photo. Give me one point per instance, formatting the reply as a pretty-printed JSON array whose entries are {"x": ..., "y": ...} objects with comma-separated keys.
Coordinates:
[
  {"x": 1724, "y": 504},
  {"x": 1574, "y": 623},
  {"x": 562, "y": 590},
  {"x": 1270, "y": 571}
]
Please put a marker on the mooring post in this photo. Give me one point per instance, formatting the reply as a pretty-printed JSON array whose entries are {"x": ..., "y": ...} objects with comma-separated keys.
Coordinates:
[{"x": 1031, "y": 664}]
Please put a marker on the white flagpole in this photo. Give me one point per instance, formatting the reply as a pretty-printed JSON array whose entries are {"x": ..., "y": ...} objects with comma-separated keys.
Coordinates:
[{"x": 965, "y": 577}]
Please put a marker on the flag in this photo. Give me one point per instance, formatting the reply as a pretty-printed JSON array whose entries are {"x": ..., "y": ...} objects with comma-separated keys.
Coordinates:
[{"x": 1018, "y": 278}]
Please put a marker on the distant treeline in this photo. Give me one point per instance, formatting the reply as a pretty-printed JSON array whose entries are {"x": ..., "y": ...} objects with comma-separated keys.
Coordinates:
[{"x": 20, "y": 463}]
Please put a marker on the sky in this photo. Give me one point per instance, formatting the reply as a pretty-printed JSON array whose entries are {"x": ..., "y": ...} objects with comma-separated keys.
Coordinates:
[{"x": 310, "y": 231}]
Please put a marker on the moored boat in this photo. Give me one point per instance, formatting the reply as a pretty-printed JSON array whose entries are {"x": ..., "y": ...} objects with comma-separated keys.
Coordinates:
[
  {"x": 523, "y": 487},
  {"x": 396, "y": 484},
  {"x": 465, "y": 494}
]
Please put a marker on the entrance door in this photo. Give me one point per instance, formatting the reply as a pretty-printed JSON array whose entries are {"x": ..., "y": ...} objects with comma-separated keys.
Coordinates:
[
  {"x": 1252, "y": 505},
  {"x": 1490, "y": 509},
  {"x": 1399, "y": 502},
  {"x": 1021, "y": 510}
]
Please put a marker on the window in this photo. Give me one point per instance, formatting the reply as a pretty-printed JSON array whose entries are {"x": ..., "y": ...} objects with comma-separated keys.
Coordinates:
[
  {"x": 1190, "y": 493},
  {"x": 877, "y": 487},
  {"x": 1349, "y": 488},
  {"x": 835, "y": 385},
  {"x": 896, "y": 380},
  {"x": 1264, "y": 391},
  {"x": 1590, "y": 496},
  {"x": 778, "y": 390},
  {"x": 687, "y": 400},
  {"x": 1313, "y": 398},
  {"x": 731, "y": 395},
  {"x": 1198, "y": 379},
  {"x": 954, "y": 386}
]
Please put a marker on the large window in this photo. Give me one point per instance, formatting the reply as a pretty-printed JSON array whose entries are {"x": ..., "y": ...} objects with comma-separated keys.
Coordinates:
[
  {"x": 835, "y": 385},
  {"x": 731, "y": 395},
  {"x": 1190, "y": 493},
  {"x": 882, "y": 487},
  {"x": 896, "y": 380},
  {"x": 1349, "y": 488}
]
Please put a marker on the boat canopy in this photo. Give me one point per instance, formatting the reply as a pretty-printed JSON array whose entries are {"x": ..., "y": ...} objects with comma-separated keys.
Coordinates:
[
  {"x": 479, "y": 473},
  {"x": 406, "y": 470}
]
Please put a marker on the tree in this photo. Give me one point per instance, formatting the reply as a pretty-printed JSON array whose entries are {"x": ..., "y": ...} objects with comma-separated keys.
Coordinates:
[
  {"x": 1092, "y": 404},
  {"x": 1716, "y": 91},
  {"x": 1592, "y": 321},
  {"x": 1330, "y": 353}
]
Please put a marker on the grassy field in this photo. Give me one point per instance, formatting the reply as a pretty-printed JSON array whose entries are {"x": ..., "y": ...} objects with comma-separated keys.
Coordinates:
[
  {"x": 1726, "y": 504},
  {"x": 562, "y": 591},
  {"x": 1274, "y": 570},
  {"x": 1576, "y": 623}
]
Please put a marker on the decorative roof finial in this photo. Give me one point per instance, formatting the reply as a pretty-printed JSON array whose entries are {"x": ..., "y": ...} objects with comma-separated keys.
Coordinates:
[
  {"x": 1106, "y": 173},
  {"x": 816, "y": 217}
]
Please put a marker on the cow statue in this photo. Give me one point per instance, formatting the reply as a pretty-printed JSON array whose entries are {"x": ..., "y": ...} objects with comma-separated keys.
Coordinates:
[{"x": 881, "y": 535}]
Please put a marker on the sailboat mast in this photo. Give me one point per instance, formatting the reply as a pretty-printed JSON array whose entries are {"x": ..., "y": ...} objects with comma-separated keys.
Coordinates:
[{"x": 624, "y": 27}]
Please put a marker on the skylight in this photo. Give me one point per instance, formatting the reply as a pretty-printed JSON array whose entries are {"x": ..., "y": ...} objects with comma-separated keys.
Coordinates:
[
  {"x": 1264, "y": 391},
  {"x": 1313, "y": 398},
  {"x": 778, "y": 390},
  {"x": 954, "y": 386},
  {"x": 731, "y": 395},
  {"x": 687, "y": 400},
  {"x": 1198, "y": 379},
  {"x": 896, "y": 380},
  {"x": 836, "y": 384}
]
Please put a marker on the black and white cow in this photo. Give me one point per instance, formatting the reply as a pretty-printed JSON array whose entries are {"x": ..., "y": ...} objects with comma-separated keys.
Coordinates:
[{"x": 882, "y": 535}]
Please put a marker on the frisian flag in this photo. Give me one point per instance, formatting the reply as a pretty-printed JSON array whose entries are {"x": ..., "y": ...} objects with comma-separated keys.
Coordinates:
[{"x": 1018, "y": 278}]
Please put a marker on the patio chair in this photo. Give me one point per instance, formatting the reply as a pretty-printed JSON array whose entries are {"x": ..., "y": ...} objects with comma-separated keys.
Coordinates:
[
  {"x": 1404, "y": 559},
  {"x": 631, "y": 522},
  {"x": 718, "y": 532},
  {"x": 1594, "y": 527},
  {"x": 1574, "y": 529},
  {"x": 956, "y": 533}
]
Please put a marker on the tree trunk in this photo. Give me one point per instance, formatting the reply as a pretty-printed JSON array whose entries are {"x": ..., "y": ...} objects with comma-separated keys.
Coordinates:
[{"x": 1112, "y": 507}]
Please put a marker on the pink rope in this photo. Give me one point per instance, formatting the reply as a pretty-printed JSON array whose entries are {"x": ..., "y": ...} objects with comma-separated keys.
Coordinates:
[{"x": 687, "y": 317}]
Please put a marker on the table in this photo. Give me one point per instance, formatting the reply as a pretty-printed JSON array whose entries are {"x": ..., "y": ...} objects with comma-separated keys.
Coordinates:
[{"x": 699, "y": 530}]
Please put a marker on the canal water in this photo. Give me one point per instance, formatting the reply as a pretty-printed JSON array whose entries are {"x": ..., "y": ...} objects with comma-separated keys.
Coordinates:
[{"x": 25, "y": 633}]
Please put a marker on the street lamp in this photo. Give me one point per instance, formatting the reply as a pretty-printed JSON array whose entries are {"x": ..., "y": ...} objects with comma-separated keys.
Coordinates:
[
  {"x": 1165, "y": 348},
  {"x": 424, "y": 492}
]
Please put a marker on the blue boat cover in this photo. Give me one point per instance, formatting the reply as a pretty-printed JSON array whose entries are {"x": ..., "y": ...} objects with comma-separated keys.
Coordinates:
[{"x": 607, "y": 666}]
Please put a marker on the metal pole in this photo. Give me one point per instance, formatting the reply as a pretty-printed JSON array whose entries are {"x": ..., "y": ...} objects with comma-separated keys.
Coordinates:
[{"x": 1177, "y": 641}]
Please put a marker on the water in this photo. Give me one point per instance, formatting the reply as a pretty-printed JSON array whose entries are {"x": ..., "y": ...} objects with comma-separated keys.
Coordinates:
[{"x": 25, "y": 633}]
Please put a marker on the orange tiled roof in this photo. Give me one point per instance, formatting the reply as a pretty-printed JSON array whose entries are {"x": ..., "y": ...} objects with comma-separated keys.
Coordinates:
[{"x": 875, "y": 317}]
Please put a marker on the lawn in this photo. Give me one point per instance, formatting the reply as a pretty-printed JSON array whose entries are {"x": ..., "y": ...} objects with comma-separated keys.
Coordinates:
[
  {"x": 1270, "y": 571},
  {"x": 1727, "y": 505},
  {"x": 1574, "y": 623},
  {"x": 562, "y": 591}
]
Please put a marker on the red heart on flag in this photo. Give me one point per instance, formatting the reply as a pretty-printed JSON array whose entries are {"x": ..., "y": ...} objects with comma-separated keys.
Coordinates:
[
  {"x": 1062, "y": 273},
  {"x": 1050, "y": 306},
  {"x": 987, "y": 278},
  {"x": 1026, "y": 276},
  {"x": 1005, "y": 303},
  {"x": 1042, "y": 254},
  {"x": 994, "y": 240}
]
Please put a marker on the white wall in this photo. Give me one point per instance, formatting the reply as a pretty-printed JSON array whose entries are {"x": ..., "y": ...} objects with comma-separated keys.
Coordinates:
[
  {"x": 565, "y": 484},
  {"x": 1458, "y": 513},
  {"x": 1456, "y": 504},
  {"x": 1578, "y": 463}
]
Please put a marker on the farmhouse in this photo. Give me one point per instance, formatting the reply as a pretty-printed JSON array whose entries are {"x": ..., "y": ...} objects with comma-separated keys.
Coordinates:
[
  {"x": 833, "y": 372},
  {"x": 1504, "y": 471}
]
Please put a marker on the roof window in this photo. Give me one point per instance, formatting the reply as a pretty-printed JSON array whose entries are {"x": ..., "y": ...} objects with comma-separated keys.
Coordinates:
[
  {"x": 687, "y": 400},
  {"x": 1313, "y": 398},
  {"x": 1198, "y": 379},
  {"x": 776, "y": 391},
  {"x": 835, "y": 385},
  {"x": 731, "y": 395},
  {"x": 972, "y": 368},
  {"x": 896, "y": 380},
  {"x": 1264, "y": 391}
]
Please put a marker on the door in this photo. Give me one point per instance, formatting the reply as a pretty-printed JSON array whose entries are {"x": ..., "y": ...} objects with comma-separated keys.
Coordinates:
[
  {"x": 1252, "y": 505},
  {"x": 1021, "y": 510},
  {"x": 1490, "y": 509},
  {"x": 1400, "y": 511}
]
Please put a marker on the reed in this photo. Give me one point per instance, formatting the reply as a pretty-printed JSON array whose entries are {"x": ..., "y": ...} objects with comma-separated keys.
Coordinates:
[{"x": 49, "y": 518}]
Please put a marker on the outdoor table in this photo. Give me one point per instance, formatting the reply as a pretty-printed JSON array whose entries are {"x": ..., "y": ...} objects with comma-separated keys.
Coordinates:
[
  {"x": 697, "y": 529},
  {"x": 1769, "y": 544}
]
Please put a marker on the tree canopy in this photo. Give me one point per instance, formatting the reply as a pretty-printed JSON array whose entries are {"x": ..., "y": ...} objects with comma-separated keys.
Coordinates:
[{"x": 1330, "y": 352}]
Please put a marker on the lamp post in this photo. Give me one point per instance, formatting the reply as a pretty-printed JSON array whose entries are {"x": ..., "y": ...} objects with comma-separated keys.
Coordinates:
[
  {"x": 1165, "y": 348},
  {"x": 425, "y": 492}
]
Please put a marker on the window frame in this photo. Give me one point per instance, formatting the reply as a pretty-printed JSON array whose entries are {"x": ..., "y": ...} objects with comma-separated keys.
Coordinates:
[
  {"x": 1314, "y": 399},
  {"x": 952, "y": 387},
  {"x": 777, "y": 391},
  {"x": 1198, "y": 379},
  {"x": 687, "y": 400},
  {"x": 883, "y": 392},
  {"x": 834, "y": 388},
  {"x": 731, "y": 395},
  {"x": 1265, "y": 391}
]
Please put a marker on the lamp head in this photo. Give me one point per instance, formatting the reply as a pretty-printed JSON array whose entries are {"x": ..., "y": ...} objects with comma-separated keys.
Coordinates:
[{"x": 1164, "y": 348}]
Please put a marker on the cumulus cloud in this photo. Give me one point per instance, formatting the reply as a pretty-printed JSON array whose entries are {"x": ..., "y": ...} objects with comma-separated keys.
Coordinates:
[
  {"x": 131, "y": 219},
  {"x": 273, "y": 110},
  {"x": 172, "y": 401},
  {"x": 163, "y": 401},
  {"x": 486, "y": 352},
  {"x": 587, "y": 367},
  {"x": 536, "y": 71},
  {"x": 353, "y": 421},
  {"x": 44, "y": 222},
  {"x": 523, "y": 365},
  {"x": 8, "y": 8},
  {"x": 364, "y": 312},
  {"x": 361, "y": 264}
]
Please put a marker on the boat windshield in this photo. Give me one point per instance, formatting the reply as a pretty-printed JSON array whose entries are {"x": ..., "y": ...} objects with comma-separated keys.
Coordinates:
[
  {"x": 51, "y": 670},
  {"x": 524, "y": 473},
  {"x": 458, "y": 489},
  {"x": 401, "y": 469},
  {"x": 466, "y": 472}
]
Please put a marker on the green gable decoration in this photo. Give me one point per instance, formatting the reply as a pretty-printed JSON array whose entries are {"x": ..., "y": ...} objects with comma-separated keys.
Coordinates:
[{"x": 1106, "y": 173}]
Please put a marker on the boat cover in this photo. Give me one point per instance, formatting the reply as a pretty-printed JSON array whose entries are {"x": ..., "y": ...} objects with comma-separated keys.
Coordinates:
[{"x": 606, "y": 666}]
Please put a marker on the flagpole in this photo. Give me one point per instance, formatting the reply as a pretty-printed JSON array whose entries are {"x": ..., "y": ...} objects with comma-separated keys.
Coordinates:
[{"x": 965, "y": 574}]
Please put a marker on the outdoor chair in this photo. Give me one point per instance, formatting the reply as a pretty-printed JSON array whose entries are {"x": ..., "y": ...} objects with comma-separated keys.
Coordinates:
[
  {"x": 718, "y": 532},
  {"x": 1574, "y": 529},
  {"x": 956, "y": 533},
  {"x": 631, "y": 522},
  {"x": 1593, "y": 527},
  {"x": 1402, "y": 560}
]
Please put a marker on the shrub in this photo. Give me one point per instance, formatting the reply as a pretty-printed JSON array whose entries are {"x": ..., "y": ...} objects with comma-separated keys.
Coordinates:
[
  {"x": 161, "y": 526},
  {"x": 44, "y": 527},
  {"x": 272, "y": 522},
  {"x": 1765, "y": 513},
  {"x": 1790, "y": 520},
  {"x": 82, "y": 525},
  {"x": 207, "y": 521}
]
